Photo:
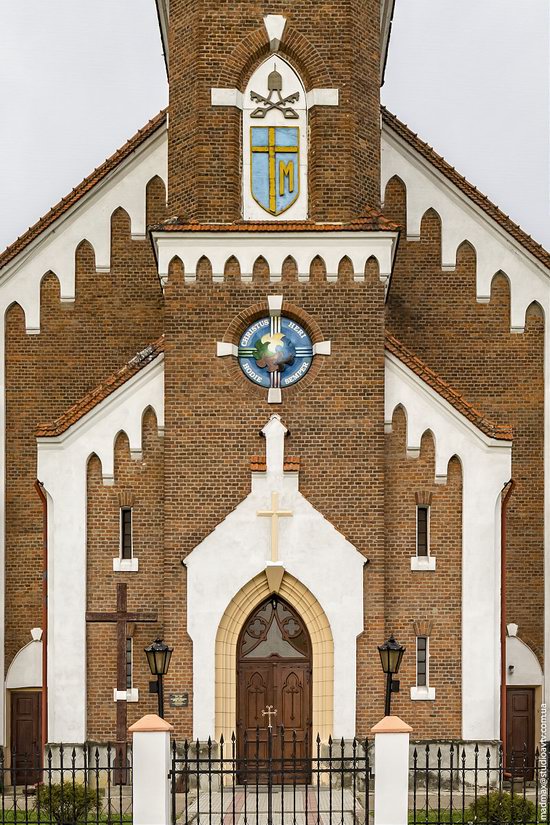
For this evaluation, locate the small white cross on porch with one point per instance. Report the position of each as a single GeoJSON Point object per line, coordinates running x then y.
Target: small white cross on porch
{"type": "Point", "coordinates": [275, 514]}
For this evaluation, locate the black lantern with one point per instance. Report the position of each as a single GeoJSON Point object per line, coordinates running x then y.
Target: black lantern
{"type": "Point", "coordinates": [158, 658]}
{"type": "Point", "coordinates": [391, 653]}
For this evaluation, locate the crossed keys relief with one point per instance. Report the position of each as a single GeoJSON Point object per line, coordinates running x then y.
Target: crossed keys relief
{"type": "Point", "coordinates": [275, 99]}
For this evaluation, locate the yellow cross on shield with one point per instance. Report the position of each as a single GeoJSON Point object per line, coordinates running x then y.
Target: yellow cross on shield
{"type": "Point", "coordinates": [275, 169]}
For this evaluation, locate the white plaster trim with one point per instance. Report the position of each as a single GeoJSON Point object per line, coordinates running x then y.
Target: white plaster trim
{"type": "Point", "coordinates": [239, 548]}
{"type": "Point", "coordinates": [496, 250]}
{"type": "Point", "coordinates": [226, 97]}
{"type": "Point", "coordinates": [323, 97]}
{"type": "Point", "coordinates": [512, 629]}
{"type": "Point", "coordinates": [423, 563]}
{"type": "Point", "coordinates": [131, 695]}
{"type": "Point", "coordinates": [422, 694]}
{"type": "Point", "coordinates": [275, 247]}
{"type": "Point", "coordinates": [527, 671]}
{"type": "Point", "coordinates": [275, 305]}
{"type": "Point", "coordinates": [224, 348]}
{"type": "Point", "coordinates": [274, 395]}
{"type": "Point", "coordinates": [62, 466]}
{"type": "Point", "coordinates": [125, 565]}
{"type": "Point", "coordinates": [25, 670]}
{"type": "Point", "coordinates": [322, 348]}
{"type": "Point", "coordinates": [486, 467]}
{"type": "Point", "coordinates": [275, 27]}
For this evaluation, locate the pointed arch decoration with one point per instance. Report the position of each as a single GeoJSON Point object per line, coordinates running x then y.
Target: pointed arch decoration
{"type": "Point", "coordinates": [237, 612]}
{"type": "Point", "coordinates": [275, 143]}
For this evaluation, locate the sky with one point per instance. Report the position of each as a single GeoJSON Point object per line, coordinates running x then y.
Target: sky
{"type": "Point", "coordinates": [78, 78]}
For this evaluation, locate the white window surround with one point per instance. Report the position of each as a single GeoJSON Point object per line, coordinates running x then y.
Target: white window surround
{"type": "Point", "coordinates": [126, 565]}
{"type": "Point", "coordinates": [126, 695]}
{"type": "Point", "coordinates": [121, 565]}
{"type": "Point", "coordinates": [424, 693]}
{"type": "Point", "coordinates": [423, 563]}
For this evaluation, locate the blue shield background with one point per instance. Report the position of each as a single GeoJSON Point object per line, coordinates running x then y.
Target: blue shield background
{"type": "Point", "coordinates": [266, 190]}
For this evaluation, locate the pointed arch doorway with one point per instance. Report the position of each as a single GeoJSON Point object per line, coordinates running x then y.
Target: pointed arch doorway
{"type": "Point", "coordinates": [274, 687]}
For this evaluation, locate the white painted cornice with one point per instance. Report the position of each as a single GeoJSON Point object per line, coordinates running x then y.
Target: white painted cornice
{"type": "Point", "coordinates": [275, 247]}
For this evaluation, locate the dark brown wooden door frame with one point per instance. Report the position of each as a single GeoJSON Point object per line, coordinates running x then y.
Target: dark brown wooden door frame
{"type": "Point", "coordinates": [25, 731]}
{"type": "Point", "coordinates": [520, 733]}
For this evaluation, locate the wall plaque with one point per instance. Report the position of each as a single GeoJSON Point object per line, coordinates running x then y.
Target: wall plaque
{"type": "Point", "coordinates": [179, 700]}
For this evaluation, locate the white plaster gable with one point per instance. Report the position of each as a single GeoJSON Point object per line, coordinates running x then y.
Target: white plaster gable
{"type": "Point", "coordinates": [462, 220]}
{"type": "Point", "coordinates": [25, 670]}
{"type": "Point", "coordinates": [486, 468]}
{"type": "Point", "coordinates": [54, 250]}
{"type": "Point", "coordinates": [526, 667]}
{"type": "Point", "coordinates": [310, 549]}
{"type": "Point", "coordinates": [62, 468]}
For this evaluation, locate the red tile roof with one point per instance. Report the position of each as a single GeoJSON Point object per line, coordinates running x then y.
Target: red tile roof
{"type": "Point", "coordinates": [100, 393]}
{"type": "Point", "coordinates": [88, 183]}
{"type": "Point", "coordinates": [502, 432]}
{"type": "Point", "coordinates": [372, 220]}
{"type": "Point", "coordinates": [466, 187]}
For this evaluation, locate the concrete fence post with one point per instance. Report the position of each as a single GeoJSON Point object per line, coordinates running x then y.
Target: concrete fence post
{"type": "Point", "coordinates": [391, 765]}
{"type": "Point", "coordinates": [150, 769]}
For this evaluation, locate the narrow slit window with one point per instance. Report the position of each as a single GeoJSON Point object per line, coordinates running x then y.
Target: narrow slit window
{"type": "Point", "coordinates": [128, 664]}
{"type": "Point", "coordinates": [422, 530]}
{"type": "Point", "coordinates": [126, 533]}
{"type": "Point", "coordinates": [422, 661]}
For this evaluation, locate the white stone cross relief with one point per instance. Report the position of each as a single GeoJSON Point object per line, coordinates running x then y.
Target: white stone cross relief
{"type": "Point", "coordinates": [275, 514]}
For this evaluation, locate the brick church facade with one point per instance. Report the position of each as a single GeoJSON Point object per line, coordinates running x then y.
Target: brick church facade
{"type": "Point", "coordinates": [280, 370]}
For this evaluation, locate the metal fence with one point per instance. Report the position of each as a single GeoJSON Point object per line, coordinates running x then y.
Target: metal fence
{"type": "Point", "coordinates": [81, 785]}
{"type": "Point", "coordinates": [471, 784]}
{"type": "Point", "coordinates": [272, 778]}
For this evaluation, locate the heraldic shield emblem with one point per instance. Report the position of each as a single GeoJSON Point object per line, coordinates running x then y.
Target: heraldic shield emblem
{"type": "Point", "coordinates": [275, 167]}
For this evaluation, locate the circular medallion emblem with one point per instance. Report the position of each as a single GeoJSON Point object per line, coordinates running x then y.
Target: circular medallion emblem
{"type": "Point", "coordinates": [275, 352]}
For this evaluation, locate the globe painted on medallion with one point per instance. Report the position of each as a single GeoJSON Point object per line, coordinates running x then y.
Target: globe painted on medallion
{"type": "Point", "coordinates": [275, 352]}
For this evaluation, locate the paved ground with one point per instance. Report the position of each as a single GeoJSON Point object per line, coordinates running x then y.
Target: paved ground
{"type": "Point", "coordinates": [290, 806]}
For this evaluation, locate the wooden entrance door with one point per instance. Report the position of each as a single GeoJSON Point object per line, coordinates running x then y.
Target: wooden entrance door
{"type": "Point", "coordinates": [274, 687]}
{"type": "Point", "coordinates": [520, 735]}
{"type": "Point", "coordinates": [25, 737]}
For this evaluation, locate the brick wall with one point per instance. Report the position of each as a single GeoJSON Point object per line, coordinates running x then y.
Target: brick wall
{"type": "Point", "coordinates": [143, 482]}
{"type": "Point", "coordinates": [114, 316]}
{"type": "Point", "coordinates": [334, 45]}
{"type": "Point", "coordinates": [435, 313]}
{"type": "Point", "coordinates": [425, 597]}
{"type": "Point", "coordinates": [213, 420]}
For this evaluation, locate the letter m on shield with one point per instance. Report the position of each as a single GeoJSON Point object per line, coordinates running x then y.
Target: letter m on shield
{"type": "Point", "coordinates": [275, 167]}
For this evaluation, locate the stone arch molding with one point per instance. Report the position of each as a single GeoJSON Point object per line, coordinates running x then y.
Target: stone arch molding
{"type": "Point", "coordinates": [486, 467]}
{"type": "Point", "coordinates": [62, 466]}
{"type": "Point", "coordinates": [317, 570]}
{"type": "Point", "coordinates": [463, 221]}
{"type": "Point", "coordinates": [316, 621]}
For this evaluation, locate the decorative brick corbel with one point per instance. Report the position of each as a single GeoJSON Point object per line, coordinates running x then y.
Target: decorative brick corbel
{"type": "Point", "coordinates": [126, 498]}
{"type": "Point", "coordinates": [423, 627]}
{"type": "Point", "coordinates": [424, 497]}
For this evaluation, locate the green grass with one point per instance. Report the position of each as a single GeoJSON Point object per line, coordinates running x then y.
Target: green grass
{"type": "Point", "coordinates": [32, 819]}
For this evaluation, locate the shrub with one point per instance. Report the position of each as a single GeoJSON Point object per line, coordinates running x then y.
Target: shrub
{"type": "Point", "coordinates": [66, 804]}
{"type": "Point", "coordinates": [500, 808]}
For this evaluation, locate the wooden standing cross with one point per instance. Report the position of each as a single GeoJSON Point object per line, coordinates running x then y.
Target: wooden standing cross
{"type": "Point", "coordinates": [122, 619]}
